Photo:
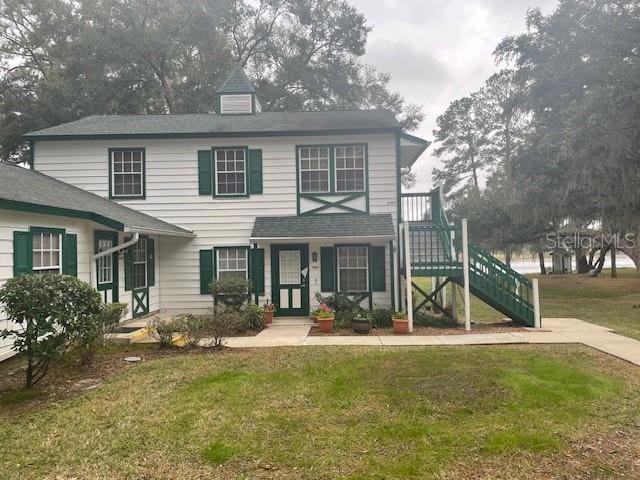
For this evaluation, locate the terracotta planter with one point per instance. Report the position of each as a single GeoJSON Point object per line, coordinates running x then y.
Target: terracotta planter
{"type": "Point", "coordinates": [400, 325]}
{"type": "Point", "coordinates": [268, 316]}
{"type": "Point", "coordinates": [326, 324]}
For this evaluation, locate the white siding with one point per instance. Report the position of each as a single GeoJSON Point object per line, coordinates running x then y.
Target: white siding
{"type": "Point", "coordinates": [235, 104]}
{"type": "Point", "coordinates": [172, 195]}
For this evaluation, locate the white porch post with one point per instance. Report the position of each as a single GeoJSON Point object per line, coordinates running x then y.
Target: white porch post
{"type": "Point", "coordinates": [537, 321]}
{"type": "Point", "coordinates": [407, 267]}
{"type": "Point", "coordinates": [465, 268]}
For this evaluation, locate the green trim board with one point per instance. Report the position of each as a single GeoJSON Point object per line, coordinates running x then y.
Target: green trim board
{"type": "Point", "coordinates": [215, 172]}
{"type": "Point", "coordinates": [144, 173]}
{"type": "Point", "coordinates": [318, 196]}
{"type": "Point", "coordinates": [60, 212]}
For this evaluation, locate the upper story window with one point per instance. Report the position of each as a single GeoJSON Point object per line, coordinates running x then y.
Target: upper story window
{"type": "Point", "coordinates": [230, 171]}
{"type": "Point", "coordinates": [314, 169]}
{"type": "Point", "coordinates": [349, 168]}
{"type": "Point", "coordinates": [47, 252]}
{"type": "Point", "coordinates": [127, 173]}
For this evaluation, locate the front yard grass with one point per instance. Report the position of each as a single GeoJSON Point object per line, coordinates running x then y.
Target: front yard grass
{"type": "Point", "coordinates": [354, 413]}
{"type": "Point", "coordinates": [611, 302]}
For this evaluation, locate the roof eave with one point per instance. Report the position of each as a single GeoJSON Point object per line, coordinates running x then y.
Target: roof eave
{"type": "Point", "coordinates": [33, 136]}
{"type": "Point", "coordinates": [316, 237]}
{"type": "Point", "coordinates": [159, 232]}
{"type": "Point", "coordinates": [421, 142]}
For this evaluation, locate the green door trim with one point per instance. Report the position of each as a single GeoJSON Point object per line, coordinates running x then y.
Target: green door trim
{"type": "Point", "coordinates": [304, 285]}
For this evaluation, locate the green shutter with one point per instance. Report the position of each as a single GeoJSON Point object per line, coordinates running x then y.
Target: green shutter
{"type": "Point", "coordinates": [22, 253]}
{"type": "Point", "coordinates": [70, 254]}
{"type": "Point", "coordinates": [327, 269]}
{"type": "Point", "coordinates": [206, 271]}
{"type": "Point", "coordinates": [151, 262]}
{"type": "Point", "coordinates": [205, 175]}
{"type": "Point", "coordinates": [257, 270]}
{"type": "Point", "coordinates": [128, 269]}
{"type": "Point", "coordinates": [378, 269]}
{"type": "Point", "coordinates": [255, 171]}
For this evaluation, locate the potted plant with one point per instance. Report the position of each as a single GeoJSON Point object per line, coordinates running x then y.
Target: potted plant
{"type": "Point", "coordinates": [361, 324]}
{"type": "Point", "coordinates": [268, 310]}
{"type": "Point", "coordinates": [400, 322]}
{"type": "Point", "coordinates": [325, 317]}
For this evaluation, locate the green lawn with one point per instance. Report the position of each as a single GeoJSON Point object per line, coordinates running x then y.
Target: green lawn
{"type": "Point", "coordinates": [352, 413]}
{"type": "Point", "coordinates": [612, 302]}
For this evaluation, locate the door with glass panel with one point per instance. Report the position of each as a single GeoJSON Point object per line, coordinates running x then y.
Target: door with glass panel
{"type": "Point", "coordinates": [140, 269]}
{"type": "Point", "coordinates": [290, 279]}
{"type": "Point", "coordinates": [107, 266]}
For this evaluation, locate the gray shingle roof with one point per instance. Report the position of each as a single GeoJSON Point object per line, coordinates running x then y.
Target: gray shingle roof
{"type": "Point", "coordinates": [237, 82]}
{"type": "Point", "coordinates": [209, 125]}
{"type": "Point", "coordinates": [337, 225]}
{"type": "Point", "coordinates": [22, 189]}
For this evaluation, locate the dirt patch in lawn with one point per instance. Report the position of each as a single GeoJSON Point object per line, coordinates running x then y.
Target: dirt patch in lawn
{"type": "Point", "coordinates": [68, 378]}
{"type": "Point", "coordinates": [498, 327]}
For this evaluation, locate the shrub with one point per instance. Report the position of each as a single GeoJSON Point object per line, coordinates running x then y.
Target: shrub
{"type": "Point", "coordinates": [345, 308]}
{"type": "Point", "coordinates": [193, 328]}
{"type": "Point", "coordinates": [90, 334]}
{"type": "Point", "coordinates": [47, 312]}
{"type": "Point", "coordinates": [252, 317]}
{"type": "Point", "coordinates": [425, 320]}
{"type": "Point", "coordinates": [380, 318]}
{"type": "Point", "coordinates": [232, 292]}
{"type": "Point", "coordinates": [162, 329]}
{"type": "Point", "coordinates": [223, 322]}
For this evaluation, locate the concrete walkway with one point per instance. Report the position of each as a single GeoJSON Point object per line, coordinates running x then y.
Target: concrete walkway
{"type": "Point", "coordinates": [295, 332]}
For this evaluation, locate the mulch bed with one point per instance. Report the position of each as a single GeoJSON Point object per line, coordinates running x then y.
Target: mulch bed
{"type": "Point", "coordinates": [498, 327]}
{"type": "Point", "coordinates": [68, 378]}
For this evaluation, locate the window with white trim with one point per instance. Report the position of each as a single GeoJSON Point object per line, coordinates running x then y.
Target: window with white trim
{"type": "Point", "coordinates": [105, 264]}
{"type": "Point", "coordinates": [231, 168]}
{"type": "Point", "coordinates": [140, 264]}
{"type": "Point", "coordinates": [47, 252]}
{"type": "Point", "coordinates": [314, 169]}
{"type": "Point", "coordinates": [349, 168]}
{"type": "Point", "coordinates": [127, 173]}
{"type": "Point", "coordinates": [353, 269]}
{"type": "Point", "coordinates": [232, 263]}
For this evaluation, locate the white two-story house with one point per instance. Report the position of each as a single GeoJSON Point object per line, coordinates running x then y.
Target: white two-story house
{"type": "Point", "coordinates": [296, 202]}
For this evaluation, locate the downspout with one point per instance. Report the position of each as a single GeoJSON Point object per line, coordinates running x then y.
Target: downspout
{"type": "Point", "coordinates": [111, 251]}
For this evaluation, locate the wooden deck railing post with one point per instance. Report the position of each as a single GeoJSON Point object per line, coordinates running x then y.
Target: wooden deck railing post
{"type": "Point", "coordinates": [407, 274]}
{"type": "Point", "coordinates": [537, 323]}
{"type": "Point", "coordinates": [465, 269]}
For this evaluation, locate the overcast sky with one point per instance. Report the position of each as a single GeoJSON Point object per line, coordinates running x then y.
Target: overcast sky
{"type": "Point", "coordinates": [439, 50]}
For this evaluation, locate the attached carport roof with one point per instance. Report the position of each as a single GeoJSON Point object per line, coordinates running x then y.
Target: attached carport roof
{"type": "Point", "coordinates": [327, 226]}
{"type": "Point", "coordinates": [26, 190]}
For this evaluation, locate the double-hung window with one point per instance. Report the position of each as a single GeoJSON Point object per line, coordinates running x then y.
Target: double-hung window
{"type": "Point", "coordinates": [314, 169]}
{"type": "Point", "coordinates": [349, 168]}
{"type": "Point", "coordinates": [231, 171]}
{"type": "Point", "coordinates": [353, 269]}
{"type": "Point", "coordinates": [140, 264]}
{"type": "Point", "coordinates": [105, 264]}
{"type": "Point", "coordinates": [47, 252]}
{"type": "Point", "coordinates": [232, 262]}
{"type": "Point", "coordinates": [127, 173]}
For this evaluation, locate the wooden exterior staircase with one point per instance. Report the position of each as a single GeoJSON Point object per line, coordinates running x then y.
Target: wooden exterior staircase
{"type": "Point", "coordinates": [435, 250]}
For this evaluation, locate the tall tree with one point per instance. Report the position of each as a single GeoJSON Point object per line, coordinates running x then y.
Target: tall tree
{"type": "Point", "coordinates": [462, 135]}
{"type": "Point", "coordinates": [62, 60]}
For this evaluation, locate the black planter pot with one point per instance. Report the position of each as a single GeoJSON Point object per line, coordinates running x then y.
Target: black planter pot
{"type": "Point", "coordinates": [361, 326]}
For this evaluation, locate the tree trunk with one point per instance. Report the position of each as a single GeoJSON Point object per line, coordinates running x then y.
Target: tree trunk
{"type": "Point", "coordinates": [614, 268]}
{"type": "Point", "coordinates": [543, 268]}
{"type": "Point", "coordinates": [603, 255]}
{"type": "Point", "coordinates": [582, 266]}
{"type": "Point", "coordinates": [634, 254]}
{"type": "Point", "coordinates": [507, 257]}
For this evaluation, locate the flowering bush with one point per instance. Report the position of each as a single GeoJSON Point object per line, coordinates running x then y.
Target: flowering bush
{"type": "Point", "coordinates": [323, 311]}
